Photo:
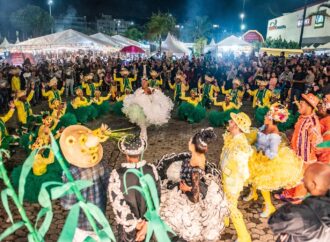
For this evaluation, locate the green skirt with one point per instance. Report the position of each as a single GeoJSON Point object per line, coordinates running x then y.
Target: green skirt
{"type": "Point", "coordinates": [260, 114]}
{"type": "Point", "coordinates": [66, 120]}
{"type": "Point", "coordinates": [26, 140]}
{"type": "Point", "coordinates": [8, 140]}
{"type": "Point", "coordinates": [217, 119]}
{"type": "Point", "coordinates": [83, 114]}
{"type": "Point", "coordinates": [102, 109]}
{"type": "Point", "coordinates": [116, 108]}
{"type": "Point", "coordinates": [189, 112]}
{"type": "Point", "coordinates": [33, 183]}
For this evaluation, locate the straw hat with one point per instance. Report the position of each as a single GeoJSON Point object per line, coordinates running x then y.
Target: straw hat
{"type": "Point", "coordinates": [21, 94]}
{"type": "Point", "coordinates": [242, 121]}
{"type": "Point", "coordinates": [311, 100]}
{"type": "Point", "coordinates": [124, 71]}
{"type": "Point", "coordinates": [262, 83]}
{"type": "Point", "coordinates": [53, 82]}
{"type": "Point", "coordinates": [27, 75]}
{"type": "Point", "coordinates": [153, 73]}
{"type": "Point", "coordinates": [88, 77]}
{"type": "Point", "coordinates": [132, 145]}
{"type": "Point", "coordinates": [194, 90]}
{"type": "Point", "coordinates": [78, 90]}
{"type": "Point", "coordinates": [237, 82]}
{"type": "Point", "coordinates": [208, 78]}
{"type": "Point", "coordinates": [80, 146]}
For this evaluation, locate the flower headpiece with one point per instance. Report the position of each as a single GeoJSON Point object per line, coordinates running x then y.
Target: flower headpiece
{"type": "Point", "coordinates": [278, 113]}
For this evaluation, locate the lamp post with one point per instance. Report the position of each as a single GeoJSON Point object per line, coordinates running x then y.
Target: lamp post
{"type": "Point", "coordinates": [303, 25]}
{"type": "Point", "coordinates": [242, 16]}
{"type": "Point", "coordinates": [50, 3]}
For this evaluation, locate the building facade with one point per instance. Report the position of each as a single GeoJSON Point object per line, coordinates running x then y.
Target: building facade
{"type": "Point", "coordinates": [109, 25]}
{"type": "Point", "coordinates": [71, 22]}
{"type": "Point", "coordinates": [288, 26]}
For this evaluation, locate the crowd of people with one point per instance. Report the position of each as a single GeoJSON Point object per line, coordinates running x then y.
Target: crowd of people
{"type": "Point", "coordinates": [285, 93]}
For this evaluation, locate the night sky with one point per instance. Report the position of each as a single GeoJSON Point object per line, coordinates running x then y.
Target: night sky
{"type": "Point", "coordinates": [225, 13]}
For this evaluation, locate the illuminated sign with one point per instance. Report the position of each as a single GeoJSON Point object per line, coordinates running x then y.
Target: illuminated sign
{"type": "Point", "coordinates": [319, 21]}
{"type": "Point", "coordinates": [273, 25]}
{"type": "Point", "coordinates": [308, 22]}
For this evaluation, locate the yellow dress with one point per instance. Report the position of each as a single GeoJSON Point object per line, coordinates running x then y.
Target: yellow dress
{"type": "Point", "coordinates": [273, 164]}
{"type": "Point", "coordinates": [21, 107]}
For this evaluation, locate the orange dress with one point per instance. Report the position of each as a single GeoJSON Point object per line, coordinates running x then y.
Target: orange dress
{"type": "Point", "coordinates": [323, 155]}
{"type": "Point", "coordinates": [306, 136]}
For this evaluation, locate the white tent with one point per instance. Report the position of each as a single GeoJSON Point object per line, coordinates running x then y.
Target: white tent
{"type": "Point", "coordinates": [212, 43]}
{"type": "Point", "coordinates": [5, 44]}
{"type": "Point", "coordinates": [324, 47]}
{"type": "Point", "coordinates": [126, 41]}
{"type": "Point", "coordinates": [67, 39]}
{"type": "Point", "coordinates": [234, 44]}
{"type": "Point", "coordinates": [108, 39]}
{"type": "Point", "coordinates": [173, 46]}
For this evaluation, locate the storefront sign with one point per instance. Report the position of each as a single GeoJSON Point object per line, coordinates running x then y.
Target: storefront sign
{"type": "Point", "coordinates": [253, 36]}
{"type": "Point", "coordinates": [273, 25]}
{"type": "Point", "coordinates": [308, 22]}
{"type": "Point", "coordinates": [319, 21]}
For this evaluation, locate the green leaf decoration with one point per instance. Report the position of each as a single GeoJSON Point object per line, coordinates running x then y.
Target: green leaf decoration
{"type": "Point", "coordinates": [11, 230]}
{"type": "Point", "coordinates": [4, 199]}
{"type": "Point", "coordinates": [70, 225]}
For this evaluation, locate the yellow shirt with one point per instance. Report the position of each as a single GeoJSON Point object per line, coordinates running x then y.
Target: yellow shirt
{"type": "Point", "coordinates": [101, 99]}
{"type": "Point", "coordinates": [5, 118]}
{"type": "Point", "coordinates": [122, 83]}
{"type": "Point", "coordinates": [184, 88]}
{"type": "Point", "coordinates": [194, 101]}
{"type": "Point", "coordinates": [265, 100]}
{"type": "Point", "coordinates": [15, 83]}
{"type": "Point", "coordinates": [240, 93]}
{"type": "Point", "coordinates": [51, 96]}
{"type": "Point", "coordinates": [225, 107]}
{"type": "Point", "coordinates": [213, 89]}
{"type": "Point", "coordinates": [88, 88]}
{"type": "Point", "coordinates": [77, 102]}
{"type": "Point", "coordinates": [121, 98]}
{"type": "Point", "coordinates": [155, 82]}
{"type": "Point", "coordinates": [21, 113]}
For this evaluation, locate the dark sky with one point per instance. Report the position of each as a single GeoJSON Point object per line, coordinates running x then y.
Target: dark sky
{"type": "Point", "coordinates": [225, 13]}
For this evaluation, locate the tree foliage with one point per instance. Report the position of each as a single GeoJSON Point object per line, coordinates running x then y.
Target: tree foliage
{"type": "Point", "coordinates": [280, 43]}
{"type": "Point", "coordinates": [32, 20]}
{"type": "Point", "coordinates": [199, 27]}
{"type": "Point", "coordinates": [199, 46]}
{"type": "Point", "coordinates": [134, 33]}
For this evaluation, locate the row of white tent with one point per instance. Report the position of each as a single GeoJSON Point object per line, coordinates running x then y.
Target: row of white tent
{"type": "Point", "coordinates": [71, 39]}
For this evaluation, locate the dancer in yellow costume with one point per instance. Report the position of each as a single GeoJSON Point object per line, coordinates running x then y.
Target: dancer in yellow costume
{"type": "Point", "coordinates": [90, 86]}
{"type": "Point", "coordinates": [54, 93]}
{"type": "Point", "coordinates": [273, 164]}
{"type": "Point", "coordinates": [124, 81]}
{"type": "Point", "coordinates": [235, 94]}
{"type": "Point", "coordinates": [101, 104]}
{"type": "Point", "coordinates": [234, 159]}
{"type": "Point", "coordinates": [153, 81]}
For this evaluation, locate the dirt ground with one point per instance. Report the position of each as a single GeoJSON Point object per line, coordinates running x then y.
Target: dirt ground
{"type": "Point", "coordinates": [169, 138]}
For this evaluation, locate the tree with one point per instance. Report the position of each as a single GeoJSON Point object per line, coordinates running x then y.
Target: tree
{"type": "Point", "coordinates": [159, 26]}
{"type": "Point", "coordinates": [199, 27]}
{"type": "Point", "coordinates": [200, 45]}
{"type": "Point", "coordinates": [280, 43]}
{"type": "Point", "coordinates": [134, 33]}
{"type": "Point", "coordinates": [32, 20]}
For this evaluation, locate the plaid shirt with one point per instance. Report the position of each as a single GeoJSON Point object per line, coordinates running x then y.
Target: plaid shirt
{"type": "Point", "coordinates": [96, 194]}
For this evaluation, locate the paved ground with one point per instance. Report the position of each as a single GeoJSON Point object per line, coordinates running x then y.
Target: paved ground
{"type": "Point", "coordinates": [167, 139]}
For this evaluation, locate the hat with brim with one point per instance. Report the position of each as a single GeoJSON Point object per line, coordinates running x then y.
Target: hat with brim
{"type": "Point", "coordinates": [27, 75]}
{"type": "Point", "coordinates": [153, 73]}
{"type": "Point", "coordinates": [242, 120]}
{"type": "Point", "coordinates": [208, 79]}
{"type": "Point", "coordinates": [132, 145]}
{"type": "Point", "coordinates": [311, 100]}
{"type": "Point", "coordinates": [124, 71]}
{"type": "Point", "coordinates": [88, 77]}
{"type": "Point", "coordinates": [262, 83]}
{"type": "Point", "coordinates": [80, 146]}
{"type": "Point", "coordinates": [53, 82]}
{"type": "Point", "coordinates": [194, 90]}
{"type": "Point", "coordinates": [236, 82]}
{"type": "Point", "coordinates": [21, 94]}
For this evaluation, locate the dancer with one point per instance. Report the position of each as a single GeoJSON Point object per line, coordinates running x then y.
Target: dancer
{"type": "Point", "coordinates": [235, 94]}
{"type": "Point", "coordinates": [190, 110]}
{"type": "Point", "coordinates": [118, 105]}
{"type": "Point", "coordinates": [192, 201]}
{"type": "Point", "coordinates": [261, 100]}
{"type": "Point", "coordinates": [101, 104]}
{"type": "Point", "coordinates": [217, 118]}
{"type": "Point", "coordinates": [5, 139]}
{"type": "Point", "coordinates": [210, 88]}
{"type": "Point", "coordinates": [234, 159]}
{"type": "Point", "coordinates": [180, 87]}
{"type": "Point", "coordinates": [323, 155]}
{"type": "Point", "coordinates": [59, 112]}
{"type": "Point", "coordinates": [306, 136]}
{"type": "Point", "coordinates": [124, 81]}
{"type": "Point", "coordinates": [90, 86]}
{"type": "Point", "coordinates": [154, 82]}
{"type": "Point", "coordinates": [273, 165]}
{"type": "Point", "coordinates": [147, 106]}
{"type": "Point", "coordinates": [54, 93]}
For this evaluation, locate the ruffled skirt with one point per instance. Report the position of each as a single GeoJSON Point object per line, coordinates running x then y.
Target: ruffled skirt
{"type": "Point", "coordinates": [155, 108]}
{"type": "Point", "coordinates": [117, 108]}
{"type": "Point", "coordinates": [102, 109]}
{"type": "Point", "coordinates": [217, 119]}
{"type": "Point", "coordinates": [83, 114]}
{"type": "Point", "coordinates": [191, 113]}
{"type": "Point", "coordinates": [284, 171]}
{"type": "Point", "coordinates": [202, 221]}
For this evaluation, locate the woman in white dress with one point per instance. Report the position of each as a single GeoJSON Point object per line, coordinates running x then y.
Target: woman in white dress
{"type": "Point", "coordinates": [147, 106]}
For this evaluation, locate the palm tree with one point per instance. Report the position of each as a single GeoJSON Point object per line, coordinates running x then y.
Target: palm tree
{"type": "Point", "coordinates": [200, 27]}
{"type": "Point", "coordinates": [159, 26]}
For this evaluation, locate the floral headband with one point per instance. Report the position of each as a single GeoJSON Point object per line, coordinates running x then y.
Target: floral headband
{"type": "Point", "coordinates": [278, 113]}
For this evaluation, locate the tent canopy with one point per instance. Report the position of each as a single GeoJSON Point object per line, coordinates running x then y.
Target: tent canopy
{"type": "Point", "coordinates": [125, 41]}
{"type": "Point", "coordinates": [175, 46]}
{"type": "Point", "coordinates": [66, 38]}
{"type": "Point", "coordinates": [233, 41]}
{"type": "Point", "coordinates": [325, 46]}
{"type": "Point", "coordinates": [5, 44]}
{"type": "Point", "coordinates": [132, 49]}
{"type": "Point", "coordinates": [108, 39]}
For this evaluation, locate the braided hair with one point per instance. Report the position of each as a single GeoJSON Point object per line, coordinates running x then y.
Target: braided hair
{"type": "Point", "coordinates": [202, 138]}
